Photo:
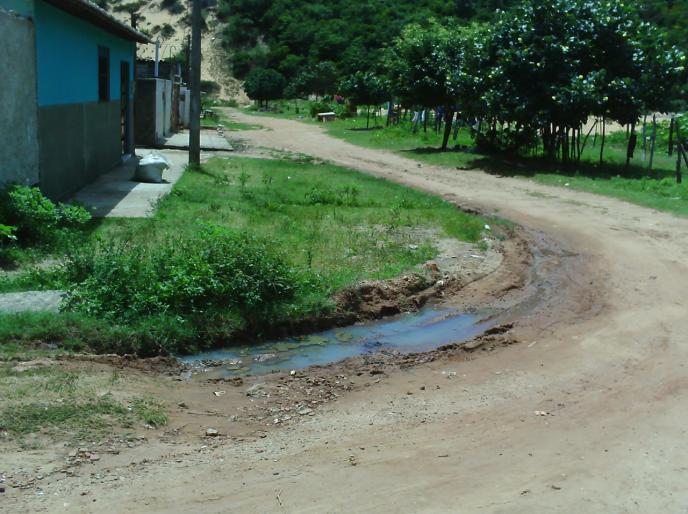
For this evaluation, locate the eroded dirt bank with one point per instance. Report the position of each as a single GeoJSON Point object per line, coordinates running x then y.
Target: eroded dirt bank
{"type": "Point", "coordinates": [587, 411]}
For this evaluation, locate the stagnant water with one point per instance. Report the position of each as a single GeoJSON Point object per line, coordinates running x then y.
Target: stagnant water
{"type": "Point", "coordinates": [413, 332]}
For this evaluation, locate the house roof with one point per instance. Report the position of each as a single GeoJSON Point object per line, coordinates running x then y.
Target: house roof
{"type": "Point", "coordinates": [90, 12]}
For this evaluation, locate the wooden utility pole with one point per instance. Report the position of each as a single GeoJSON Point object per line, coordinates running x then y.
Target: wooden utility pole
{"type": "Point", "coordinates": [195, 82]}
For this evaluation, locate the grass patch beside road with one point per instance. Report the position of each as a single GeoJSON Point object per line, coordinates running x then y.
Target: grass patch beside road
{"type": "Point", "coordinates": [40, 403]}
{"type": "Point", "coordinates": [655, 188]}
{"type": "Point", "coordinates": [228, 124]}
{"type": "Point", "coordinates": [157, 286]}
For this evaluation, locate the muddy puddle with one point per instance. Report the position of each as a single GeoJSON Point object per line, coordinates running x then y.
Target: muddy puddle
{"type": "Point", "coordinates": [413, 332]}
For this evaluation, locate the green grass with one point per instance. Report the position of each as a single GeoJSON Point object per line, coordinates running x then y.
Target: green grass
{"type": "Point", "coordinates": [287, 109]}
{"type": "Point", "coordinates": [150, 411]}
{"type": "Point", "coordinates": [47, 403]}
{"type": "Point", "coordinates": [654, 188]}
{"type": "Point", "coordinates": [334, 226]}
{"type": "Point", "coordinates": [296, 204]}
{"type": "Point", "coordinates": [29, 335]}
{"type": "Point", "coordinates": [228, 124]}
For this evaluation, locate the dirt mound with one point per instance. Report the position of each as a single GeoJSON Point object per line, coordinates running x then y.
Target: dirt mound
{"type": "Point", "coordinates": [377, 299]}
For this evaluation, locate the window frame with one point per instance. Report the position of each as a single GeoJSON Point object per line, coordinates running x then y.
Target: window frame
{"type": "Point", "coordinates": [103, 74]}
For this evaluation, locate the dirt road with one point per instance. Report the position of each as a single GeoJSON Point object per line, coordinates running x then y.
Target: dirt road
{"type": "Point", "coordinates": [587, 413]}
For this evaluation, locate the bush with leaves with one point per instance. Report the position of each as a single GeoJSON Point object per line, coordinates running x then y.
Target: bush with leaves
{"type": "Point", "coordinates": [7, 239]}
{"type": "Point", "coordinates": [37, 219]}
{"type": "Point", "coordinates": [217, 272]}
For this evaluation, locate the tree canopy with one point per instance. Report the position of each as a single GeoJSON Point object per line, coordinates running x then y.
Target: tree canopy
{"type": "Point", "coordinates": [264, 85]}
{"type": "Point", "coordinates": [293, 35]}
{"type": "Point", "coordinates": [365, 88]}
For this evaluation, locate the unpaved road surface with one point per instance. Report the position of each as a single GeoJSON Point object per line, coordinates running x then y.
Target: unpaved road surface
{"type": "Point", "coordinates": [588, 413]}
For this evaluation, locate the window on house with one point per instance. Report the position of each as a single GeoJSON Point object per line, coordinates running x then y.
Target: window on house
{"type": "Point", "coordinates": [103, 74]}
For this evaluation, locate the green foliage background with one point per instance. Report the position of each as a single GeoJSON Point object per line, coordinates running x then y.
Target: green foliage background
{"type": "Point", "coordinates": [292, 35]}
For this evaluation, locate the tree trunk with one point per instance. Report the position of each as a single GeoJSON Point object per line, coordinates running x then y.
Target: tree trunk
{"type": "Point", "coordinates": [681, 152]}
{"type": "Point", "coordinates": [653, 137]}
{"type": "Point", "coordinates": [547, 141]}
{"type": "Point", "coordinates": [448, 117]}
{"type": "Point", "coordinates": [632, 142]}
{"type": "Point", "coordinates": [671, 136]}
{"type": "Point", "coordinates": [604, 133]}
{"type": "Point", "coordinates": [367, 117]}
{"type": "Point", "coordinates": [644, 137]}
{"type": "Point", "coordinates": [679, 177]}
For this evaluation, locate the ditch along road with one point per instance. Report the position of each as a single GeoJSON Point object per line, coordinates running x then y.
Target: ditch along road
{"type": "Point", "coordinates": [589, 410]}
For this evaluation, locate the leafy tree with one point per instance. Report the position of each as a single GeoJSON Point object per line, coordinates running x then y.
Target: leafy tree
{"type": "Point", "coordinates": [365, 88]}
{"type": "Point", "coordinates": [353, 34]}
{"type": "Point", "coordinates": [320, 79]}
{"type": "Point", "coordinates": [264, 85]}
{"type": "Point", "coordinates": [131, 8]}
{"type": "Point", "coordinates": [420, 64]}
{"type": "Point", "coordinates": [553, 64]}
{"type": "Point", "coordinates": [167, 31]}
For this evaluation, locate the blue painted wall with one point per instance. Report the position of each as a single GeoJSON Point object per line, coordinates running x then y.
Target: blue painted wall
{"type": "Point", "coordinates": [23, 7]}
{"type": "Point", "coordinates": [67, 57]}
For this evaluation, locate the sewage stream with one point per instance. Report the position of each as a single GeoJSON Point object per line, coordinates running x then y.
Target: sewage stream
{"type": "Point", "coordinates": [421, 331]}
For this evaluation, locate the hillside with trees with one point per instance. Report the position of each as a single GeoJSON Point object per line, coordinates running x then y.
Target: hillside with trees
{"type": "Point", "coordinates": [292, 36]}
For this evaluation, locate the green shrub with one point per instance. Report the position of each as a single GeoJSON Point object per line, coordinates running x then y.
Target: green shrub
{"type": "Point", "coordinates": [7, 234]}
{"type": "Point", "coordinates": [216, 273]}
{"type": "Point", "coordinates": [321, 106]}
{"type": "Point", "coordinates": [37, 219]}
{"type": "Point", "coordinates": [342, 196]}
{"type": "Point", "coordinates": [7, 239]}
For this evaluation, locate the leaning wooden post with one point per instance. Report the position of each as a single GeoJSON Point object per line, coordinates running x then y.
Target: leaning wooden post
{"type": "Point", "coordinates": [585, 141]}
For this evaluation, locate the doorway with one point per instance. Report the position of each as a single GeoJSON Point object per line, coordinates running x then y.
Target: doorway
{"type": "Point", "coordinates": [124, 111]}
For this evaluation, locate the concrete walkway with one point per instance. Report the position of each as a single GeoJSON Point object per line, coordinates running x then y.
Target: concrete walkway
{"type": "Point", "coordinates": [116, 195]}
{"type": "Point", "coordinates": [31, 301]}
{"type": "Point", "coordinates": [210, 140]}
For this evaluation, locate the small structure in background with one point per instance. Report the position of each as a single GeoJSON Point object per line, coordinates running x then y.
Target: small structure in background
{"type": "Point", "coordinates": [159, 94]}
{"type": "Point", "coordinates": [326, 116]}
{"type": "Point", "coordinates": [67, 110]}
